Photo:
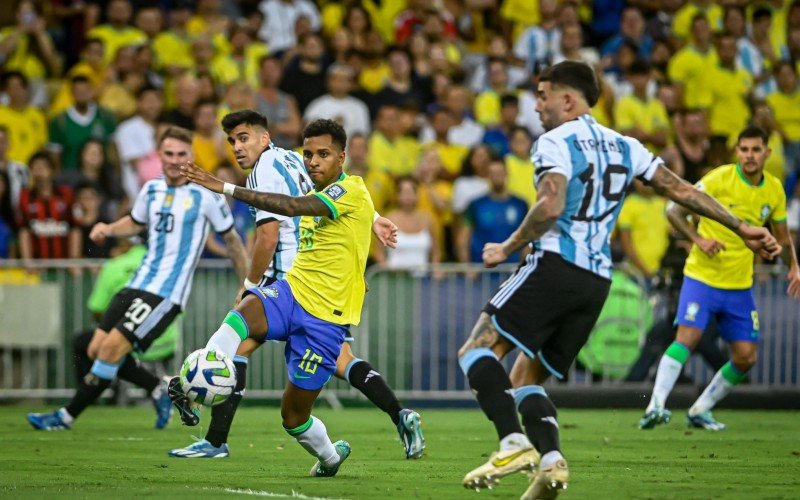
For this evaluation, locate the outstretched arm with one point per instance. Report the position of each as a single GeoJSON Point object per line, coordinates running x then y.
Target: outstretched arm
{"type": "Point", "coordinates": [270, 202]}
{"type": "Point", "coordinates": [757, 239]}
{"type": "Point", "coordinates": [125, 226]}
{"type": "Point", "coordinates": [550, 202]}
{"type": "Point", "coordinates": [678, 216]}
{"type": "Point", "coordinates": [789, 256]}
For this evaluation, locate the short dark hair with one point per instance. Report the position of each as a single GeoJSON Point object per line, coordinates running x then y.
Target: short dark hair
{"type": "Point", "coordinates": [761, 13]}
{"type": "Point", "coordinates": [507, 99]}
{"type": "Point", "coordinates": [145, 89]}
{"type": "Point", "coordinates": [178, 133]}
{"type": "Point", "coordinates": [42, 155]}
{"type": "Point", "coordinates": [325, 126]}
{"type": "Point", "coordinates": [700, 16]}
{"type": "Point", "coordinates": [245, 116]}
{"type": "Point", "coordinates": [80, 79]}
{"type": "Point", "coordinates": [8, 75]}
{"type": "Point", "coordinates": [753, 132]}
{"type": "Point", "coordinates": [520, 128]}
{"type": "Point", "coordinates": [575, 75]}
{"type": "Point", "coordinates": [638, 67]}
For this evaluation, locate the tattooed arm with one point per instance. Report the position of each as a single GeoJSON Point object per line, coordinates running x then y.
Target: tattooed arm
{"type": "Point", "coordinates": [681, 192]}
{"type": "Point", "coordinates": [551, 198]}
{"type": "Point", "coordinates": [678, 216]}
{"type": "Point", "coordinates": [276, 203]}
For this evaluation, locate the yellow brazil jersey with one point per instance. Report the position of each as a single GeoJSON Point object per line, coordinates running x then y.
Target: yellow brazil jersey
{"type": "Point", "coordinates": [687, 67]}
{"type": "Point", "coordinates": [682, 22]}
{"type": "Point", "coordinates": [732, 269]}
{"type": "Point", "coordinates": [27, 132]}
{"type": "Point", "coordinates": [173, 50]}
{"type": "Point", "coordinates": [451, 155]}
{"type": "Point", "coordinates": [786, 108]}
{"type": "Point", "coordinates": [373, 78]}
{"type": "Point", "coordinates": [522, 13]}
{"type": "Point", "coordinates": [487, 108]}
{"type": "Point", "coordinates": [520, 178]}
{"type": "Point", "coordinates": [776, 161]}
{"type": "Point", "coordinates": [724, 93]}
{"type": "Point", "coordinates": [327, 277]}
{"type": "Point", "coordinates": [630, 112]}
{"type": "Point", "coordinates": [398, 157]}
{"type": "Point", "coordinates": [645, 218]}
{"type": "Point", "coordinates": [114, 39]}
{"type": "Point", "coordinates": [24, 57]}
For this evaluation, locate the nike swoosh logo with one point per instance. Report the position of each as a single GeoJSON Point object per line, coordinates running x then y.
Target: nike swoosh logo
{"type": "Point", "coordinates": [297, 375]}
{"type": "Point", "coordinates": [502, 462]}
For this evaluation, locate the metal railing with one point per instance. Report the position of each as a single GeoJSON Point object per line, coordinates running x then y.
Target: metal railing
{"type": "Point", "coordinates": [413, 323]}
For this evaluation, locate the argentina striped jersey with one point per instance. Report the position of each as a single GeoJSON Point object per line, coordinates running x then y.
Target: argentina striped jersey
{"type": "Point", "coordinates": [177, 220]}
{"type": "Point", "coordinates": [599, 165]}
{"type": "Point", "coordinates": [280, 171]}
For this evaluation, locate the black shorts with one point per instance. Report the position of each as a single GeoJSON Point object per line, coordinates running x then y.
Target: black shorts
{"type": "Point", "coordinates": [141, 316]}
{"type": "Point", "coordinates": [547, 308]}
{"type": "Point", "coordinates": [267, 281]}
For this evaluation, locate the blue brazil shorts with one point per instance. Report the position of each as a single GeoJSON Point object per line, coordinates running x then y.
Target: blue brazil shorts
{"type": "Point", "coordinates": [312, 344]}
{"type": "Point", "coordinates": [734, 310]}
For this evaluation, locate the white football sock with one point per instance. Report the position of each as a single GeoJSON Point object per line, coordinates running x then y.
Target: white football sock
{"type": "Point", "coordinates": [65, 416]}
{"type": "Point", "coordinates": [550, 458]}
{"type": "Point", "coordinates": [515, 441]}
{"type": "Point", "coordinates": [225, 340]}
{"type": "Point", "coordinates": [714, 393]}
{"type": "Point", "coordinates": [669, 369]}
{"type": "Point", "coordinates": [316, 441]}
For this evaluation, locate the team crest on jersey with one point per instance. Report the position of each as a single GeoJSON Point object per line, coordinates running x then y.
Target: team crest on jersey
{"type": "Point", "coordinates": [691, 311]}
{"type": "Point", "coordinates": [765, 210]}
{"type": "Point", "coordinates": [269, 293]}
{"type": "Point", "coordinates": [335, 191]}
{"type": "Point", "coordinates": [187, 203]}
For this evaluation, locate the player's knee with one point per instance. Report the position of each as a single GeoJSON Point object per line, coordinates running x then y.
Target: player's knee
{"type": "Point", "coordinates": [743, 361]}
{"type": "Point", "coordinates": [113, 349]}
{"type": "Point", "coordinates": [689, 337]}
{"type": "Point", "coordinates": [253, 314]}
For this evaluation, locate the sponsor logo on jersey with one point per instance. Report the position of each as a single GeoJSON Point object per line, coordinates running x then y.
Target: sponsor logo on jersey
{"type": "Point", "coordinates": [335, 191]}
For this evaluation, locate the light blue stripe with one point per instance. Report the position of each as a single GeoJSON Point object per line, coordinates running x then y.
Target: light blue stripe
{"type": "Point", "coordinates": [294, 190]}
{"type": "Point", "coordinates": [106, 371]}
{"type": "Point", "coordinates": [241, 359]}
{"type": "Point", "coordinates": [349, 366]}
{"type": "Point", "coordinates": [161, 242]}
{"type": "Point", "coordinates": [152, 320]}
{"type": "Point", "coordinates": [523, 392]}
{"type": "Point", "coordinates": [135, 282]}
{"type": "Point", "coordinates": [575, 190]}
{"type": "Point", "coordinates": [597, 195]}
{"type": "Point", "coordinates": [185, 246]}
{"type": "Point", "coordinates": [512, 339]}
{"type": "Point", "coordinates": [552, 370]}
{"type": "Point", "coordinates": [470, 357]}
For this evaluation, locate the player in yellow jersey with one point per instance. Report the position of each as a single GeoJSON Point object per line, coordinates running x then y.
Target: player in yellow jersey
{"type": "Point", "coordinates": [323, 293]}
{"type": "Point", "coordinates": [719, 278]}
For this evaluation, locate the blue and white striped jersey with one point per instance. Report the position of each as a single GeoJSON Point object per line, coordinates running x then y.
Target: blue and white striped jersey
{"type": "Point", "coordinates": [177, 220]}
{"type": "Point", "coordinates": [599, 165]}
{"type": "Point", "coordinates": [280, 171]}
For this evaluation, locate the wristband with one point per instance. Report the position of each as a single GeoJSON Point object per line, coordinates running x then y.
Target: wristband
{"type": "Point", "coordinates": [249, 284]}
{"type": "Point", "coordinates": [228, 188]}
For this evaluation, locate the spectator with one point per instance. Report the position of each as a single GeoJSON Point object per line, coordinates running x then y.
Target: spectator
{"type": "Point", "coordinates": [119, 97]}
{"type": "Point", "coordinates": [477, 75]}
{"type": "Point", "coordinates": [27, 47]}
{"type": "Point", "coordinates": [490, 218]}
{"type": "Point", "coordinates": [724, 91]}
{"type": "Point", "coordinates": [7, 219]}
{"type": "Point", "coordinates": [279, 107]}
{"type": "Point", "coordinates": [540, 45]}
{"type": "Point", "coordinates": [380, 185]}
{"type": "Point", "coordinates": [644, 229]}
{"type": "Point", "coordinates": [785, 103]}
{"type": "Point", "coordinates": [415, 16]}
{"type": "Point", "coordinates": [149, 20]}
{"type": "Point", "coordinates": [92, 65]}
{"type": "Point", "coordinates": [683, 23]}
{"type": "Point", "coordinates": [389, 150]}
{"type": "Point", "coordinates": [659, 62]}
{"type": "Point", "coordinates": [520, 167]}
{"type": "Point", "coordinates": [117, 32]}
{"type": "Point", "coordinates": [748, 56]}
{"type": "Point", "coordinates": [764, 118]}
{"type": "Point", "coordinates": [358, 23]}
{"type": "Point", "coordinates": [518, 15]}
{"type": "Point", "coordinates": [87, 212]}
{"type": "Point", "coordinates": [573, 49]}
{"type": "Point", "coordinates": [693, 143]}
{"type": "Point", "coordinates": [80, 122]}
{"type": "Point", "coordinates": [187, 93]}
{"type": "Point", "coordinates": [499, 136]}
{"type": "Point", "coordinates": [465, 132]}
{"type": "Point", "coordinates": [771, 51]}
{"type": "Point", "coordinates": [209, 22]}
{"type": "Point", "coordinates": [338, 104]}
{"type": "Point", "coordinates": [209, 144]}
{"type": "Point", "coordinates": [135, 140]}
{"type": "Point", "coordinates": [280, 17]}
{"type": "Point", "coordinates": [472, 183]}
{"type": "Point", "coordinates": [659, 25]}
{"type": "Point", "coordinates": [435, 196]}
{"type": "Point", "coordinates": [374, 70]}
{"type": "Point", "coordinates": [488, 102]}
{"type": "Point", "coordinates": [402, 84]}
{"type": "Point", "coordinates": [96, 170]}
{"type": "Point", "coordinates": [17, 173]}
{"type": "Point", "coordinates": [417, 245]}
{"type": "Point", "coordinates": [47, 228]}
{"type": "Point", "coordinates": [143, 62]}
{"type": "Point", "coordinates": [451, 155]}
{"type": "Point", "coordinates": [303, 76]}
{"type": "Point", "coordinates": [640, 115]}
{"type": "Point", "coordinates": [26, 125]}
{"type": "Point", "coordinates": [632, 29]}
{"type": "Point", "coordinates": [245, 56]}
{"type": "Point", "coordinates": [688, 64]}
{"type": "Point", "coordinates": [173, 48]}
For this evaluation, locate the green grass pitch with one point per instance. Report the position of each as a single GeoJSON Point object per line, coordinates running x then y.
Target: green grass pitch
{"type": "Point", "coordinates": [114, 452]}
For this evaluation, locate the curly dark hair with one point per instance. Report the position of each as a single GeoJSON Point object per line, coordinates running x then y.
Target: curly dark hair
{"type": "Point", "coordinates": [324, 126]}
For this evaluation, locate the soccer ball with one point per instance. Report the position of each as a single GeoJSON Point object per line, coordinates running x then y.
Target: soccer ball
{"type": "Point", "coordinates": [208, 377]}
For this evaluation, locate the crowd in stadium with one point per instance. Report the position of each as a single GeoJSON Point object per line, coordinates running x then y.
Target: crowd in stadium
{"type": "Point", "coordinates": [437, 98]}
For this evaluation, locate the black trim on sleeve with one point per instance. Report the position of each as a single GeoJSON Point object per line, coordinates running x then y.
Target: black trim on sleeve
{"type": "Point", "coordinates": [136, 221]}
{"type": "Point", "coordinates": [225, 231]}
{"type": "Point", "coordinates": [264, 221]}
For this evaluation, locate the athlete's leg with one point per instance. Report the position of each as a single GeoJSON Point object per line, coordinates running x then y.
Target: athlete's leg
{"type": "Point", "coordinates": [223, 413]}
{"type": "Point", "coordinates": [361, 375]}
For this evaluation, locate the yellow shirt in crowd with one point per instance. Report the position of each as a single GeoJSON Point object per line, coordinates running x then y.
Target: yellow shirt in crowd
{"type": "Point", "coordinates": [27, 132]}
{"type": "Point", "coordinates": [724, 93]}
{"type": "Point", "coordinates": [520, 178]}
{"type": "Point", "coordinates": [786, 108]}
{"type": "Point", "coordinates": [645, 218]}
{"type": "Point", "coordinates": [650, 116]}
